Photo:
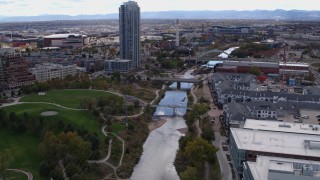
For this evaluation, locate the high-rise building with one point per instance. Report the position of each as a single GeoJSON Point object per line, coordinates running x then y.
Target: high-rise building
{"type": "Point", "coordinates": [129, 24]}
{"type": "Point", "coordinates": [13, 70]}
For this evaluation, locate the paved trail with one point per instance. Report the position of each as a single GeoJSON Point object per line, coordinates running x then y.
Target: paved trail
{"type": "Point", "coordinates": [28, 174]}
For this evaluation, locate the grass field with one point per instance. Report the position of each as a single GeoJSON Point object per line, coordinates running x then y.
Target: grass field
{"type": "Point", "coordinates": [25, 152]}
{"type": "Point", "coordinates": [67, 98]}
{"type": "Point", "coordinates": [80, 119]}
{"type": "Point", "coordinates": [117, 127]}
{"type": "Point", "coordinates": [26, 146]}
{"type": "Point", "coordinates": [15, 175]}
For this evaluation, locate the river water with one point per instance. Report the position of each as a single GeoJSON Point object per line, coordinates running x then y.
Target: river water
{"type": "Point", "coordinates": [160, 148]}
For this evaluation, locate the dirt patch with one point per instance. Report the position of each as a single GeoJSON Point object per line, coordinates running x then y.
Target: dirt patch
{"type": "Point", "coordinates": [49, 113]}
{"type": "Point", "coordinates": [156, 124]}
{"type": "Point", "coordinates": [183, 130]}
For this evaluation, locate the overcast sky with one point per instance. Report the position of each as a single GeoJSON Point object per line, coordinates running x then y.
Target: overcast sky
{"type": "Point", "coordinates": [76, 7]}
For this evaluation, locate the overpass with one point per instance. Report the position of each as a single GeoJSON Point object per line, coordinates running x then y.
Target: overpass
{"type": "Point", "coordinates": [178, 80]}
{"type": "Point", "coordinates": [196, 81]}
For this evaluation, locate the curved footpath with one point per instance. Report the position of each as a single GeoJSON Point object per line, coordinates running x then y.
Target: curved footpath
{"type": "Point", "coordinates": [28, 174]}
{"type": "Point", "coordinates": [105, 160]}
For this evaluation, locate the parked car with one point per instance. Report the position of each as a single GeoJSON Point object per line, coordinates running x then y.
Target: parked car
{"type": "Point", "coordinates": [318, 116]}
{"type": "Point", "coordinates": [305, 116]}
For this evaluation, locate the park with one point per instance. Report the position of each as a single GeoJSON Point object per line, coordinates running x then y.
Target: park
{"type": "Point", "coordinates": [59, 109]}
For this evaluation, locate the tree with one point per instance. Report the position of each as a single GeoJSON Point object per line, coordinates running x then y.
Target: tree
{"type": "Point", "coordinates": [207, 133]}
{"type": "Point", "coordinates": [147, 67]}
{"type": "Point", "coordinates": [196, 113]}
{"type": "Point", "coordinates": [189, 174]}
{"type": "Point", "coordinates": [199, 150]}
{"type": "Point", "coordinates": [254, 70]}
{"type": "Point", "coordinates": [262, 78]}
{"type": "Point", "coordinates": [6, 158]}
{"type": "Point", "coordinates": [116, 76]}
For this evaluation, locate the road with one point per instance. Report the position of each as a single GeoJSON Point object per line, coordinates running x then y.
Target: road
{"type": "Point", "coordinates": [221, 155]}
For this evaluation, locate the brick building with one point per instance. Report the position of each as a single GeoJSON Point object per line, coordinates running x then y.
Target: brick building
{"type": "Point", "coordinates": [13, 70]}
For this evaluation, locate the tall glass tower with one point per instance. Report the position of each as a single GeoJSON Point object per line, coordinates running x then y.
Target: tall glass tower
{"type": "Point", "coordinates": [129, 24]}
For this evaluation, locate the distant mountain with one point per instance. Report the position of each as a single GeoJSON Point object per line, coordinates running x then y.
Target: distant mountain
{"type": "Point", "coordinates": [227, 14]}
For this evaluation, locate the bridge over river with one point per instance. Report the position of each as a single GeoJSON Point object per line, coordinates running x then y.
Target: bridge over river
{"type": "Point", "coordinates": [178, 80]}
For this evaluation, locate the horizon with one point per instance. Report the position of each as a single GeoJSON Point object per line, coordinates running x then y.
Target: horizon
{"type": "Point", "coordinates": [11, 8]}
{"type": "Point", "coordinates": [159, 11]}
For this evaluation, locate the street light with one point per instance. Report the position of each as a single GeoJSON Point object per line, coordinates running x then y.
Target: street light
{"type": "Point", "coordinates": [125, 98]}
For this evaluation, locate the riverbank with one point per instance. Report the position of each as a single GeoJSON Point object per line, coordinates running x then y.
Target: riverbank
{"type": "Point", "coordinates": [156, 124]}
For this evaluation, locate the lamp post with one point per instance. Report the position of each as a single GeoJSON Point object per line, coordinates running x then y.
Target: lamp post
{"type": "Point", "coordinates": [125, 98]}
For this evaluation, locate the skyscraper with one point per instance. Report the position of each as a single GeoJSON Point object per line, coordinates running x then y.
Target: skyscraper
{"type": "Point", "coordinates": [129, 24]}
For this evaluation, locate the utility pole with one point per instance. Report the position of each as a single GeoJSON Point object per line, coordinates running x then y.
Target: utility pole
{"type": "Point", "coordinates": [125, 97]}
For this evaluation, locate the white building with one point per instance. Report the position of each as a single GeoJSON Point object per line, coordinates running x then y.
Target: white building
{"type": "Point", "coordinates": [47, 71]}
{"type": "Point", "coordinates": [275, 168]}
{"type": "Point", "coordinates": [271, 138]}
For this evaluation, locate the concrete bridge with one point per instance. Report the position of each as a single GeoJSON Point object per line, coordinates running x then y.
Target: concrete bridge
{"type": "Point", "coordinates": [178, 80]}
{"type": "Point", "coordinates": [171, 106]}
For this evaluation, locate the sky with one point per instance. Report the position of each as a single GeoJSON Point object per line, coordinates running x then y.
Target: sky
{"type": "Point", "coordinates": [78, 7]}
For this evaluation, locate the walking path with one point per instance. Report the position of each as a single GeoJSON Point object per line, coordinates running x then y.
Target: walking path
{"type": "Point", "coordinates": [105, 160]}
{"type": "Point", "coordinates": [157, 94]}
{"type": "Point", "coordinates": [28, 174]}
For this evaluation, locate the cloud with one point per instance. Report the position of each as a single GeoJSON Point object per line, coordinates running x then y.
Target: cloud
{"type": "Point", "coordinates": [6, 2]}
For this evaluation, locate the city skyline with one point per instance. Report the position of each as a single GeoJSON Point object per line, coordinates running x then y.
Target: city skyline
{"type": "Point", "coordinates": [75, 7]}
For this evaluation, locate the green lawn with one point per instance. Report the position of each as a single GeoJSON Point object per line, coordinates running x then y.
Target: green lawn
{"type": "Point", "coordinates": [25, 152]}
{"type": "Point", "coordinates": [15, 175]}
{"type": "Point", "coordinates": [67, 98]}
{"type": "Point", "coordinates": [117, 127]}
{"type": "Point", "coordinates": [80, 119]}
{"type": "Point", "coordinates": [25, 146]}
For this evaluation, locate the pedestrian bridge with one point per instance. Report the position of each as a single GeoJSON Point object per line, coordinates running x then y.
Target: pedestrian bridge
{"type": "Point", "coordinates": [196, 81]}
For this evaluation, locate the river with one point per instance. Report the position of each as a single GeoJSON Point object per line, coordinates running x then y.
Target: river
{"type": "Point", "coordinates": [228, 51]}
{"type": "Point", "coordinates": [160, 148]}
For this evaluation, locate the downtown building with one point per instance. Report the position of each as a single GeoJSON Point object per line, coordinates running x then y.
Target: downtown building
{"type": "Point", "coordinates": [129, 25]}
{"type": "Point", "coordinates": [13, 70]}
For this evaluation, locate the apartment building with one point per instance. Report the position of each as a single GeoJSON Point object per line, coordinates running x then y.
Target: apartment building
{"type": "Point", "coordinates": [275, 139]}
{"type": "Point", "coordinates": [13, 70]}
{"type": "Point", "coordinates": [275, 168]}
{"type": "Point", "coordinates": [47, 71]}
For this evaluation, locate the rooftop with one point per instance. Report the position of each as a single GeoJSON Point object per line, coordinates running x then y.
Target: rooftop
{"type": "Point", "coordinates": [118, 60]}
{"type": "Point", "coordinates": [276, 142]}
{"type": "Point", "coordinates": [264, 165]}
{"type": "Point", "coordinates": [294, 64]}
{"type": "Point", "coordinates": [63, 35]}
{"type": "Point", "coordinates": [278, 126]}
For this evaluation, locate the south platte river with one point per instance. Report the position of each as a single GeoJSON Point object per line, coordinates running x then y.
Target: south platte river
{"type": "Point", "coordinates": [160, 148]}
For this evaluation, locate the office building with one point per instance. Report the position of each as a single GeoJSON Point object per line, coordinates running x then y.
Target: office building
{"type": "Point", "coordinates": [47, 71]}
{"type": "Point", "coordinates": [13, 70]}
{"type": "Point", "coordinates": [118, 65]}
{"type": "Point", "coordinates": [129, 24]}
